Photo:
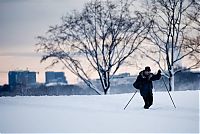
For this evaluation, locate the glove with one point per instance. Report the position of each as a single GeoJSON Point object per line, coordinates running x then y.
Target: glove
{"type": "Point", "coordinates": [151, 75]}
{"type": "Point", "coordinates": [159, 71]}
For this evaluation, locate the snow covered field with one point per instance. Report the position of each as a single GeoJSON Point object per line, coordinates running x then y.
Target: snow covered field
{"type": "Point", "coordinates": [101, 114]}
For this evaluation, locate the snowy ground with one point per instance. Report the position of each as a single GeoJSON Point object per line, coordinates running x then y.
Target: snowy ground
{"type": "Point", "coordinates": [101, 114]}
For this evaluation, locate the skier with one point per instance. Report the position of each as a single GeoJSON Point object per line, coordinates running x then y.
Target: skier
{"type": "Point", "coordinates": [145, 85]}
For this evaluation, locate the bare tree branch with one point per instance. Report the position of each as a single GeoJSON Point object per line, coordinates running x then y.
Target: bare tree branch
{"type": "Point", "coordinates": [104, 34]}
{"type": "Point", "coordinates": [173, 22]}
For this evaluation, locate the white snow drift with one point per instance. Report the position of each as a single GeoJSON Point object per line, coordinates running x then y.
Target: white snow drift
{"type": "Point", "coordinates": [100, 114]}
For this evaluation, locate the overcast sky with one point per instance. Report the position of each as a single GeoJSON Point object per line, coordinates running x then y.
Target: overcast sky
{"type": "Point", "coordinates": [21, 21]}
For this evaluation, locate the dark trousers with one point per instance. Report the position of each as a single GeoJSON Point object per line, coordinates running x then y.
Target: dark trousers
{"type": "Point", "coordinates": [148, 100]}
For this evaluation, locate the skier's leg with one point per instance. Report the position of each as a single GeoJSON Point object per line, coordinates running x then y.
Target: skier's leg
{"type": "Point", "coordinates": [146, 105]}
{"type": "Point", "coordinates": [150, 98]}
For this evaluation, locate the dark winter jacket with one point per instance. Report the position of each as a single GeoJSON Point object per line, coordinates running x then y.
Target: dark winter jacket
{"type": "Point", "coordinates": [144, 83]}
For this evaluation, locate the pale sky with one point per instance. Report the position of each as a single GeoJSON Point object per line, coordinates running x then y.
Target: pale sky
{"type": "Point", "coordinates": [21, 21]}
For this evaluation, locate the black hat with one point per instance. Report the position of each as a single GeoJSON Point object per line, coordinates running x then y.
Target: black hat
{"type": "Point", "coordinates": [147, 69]}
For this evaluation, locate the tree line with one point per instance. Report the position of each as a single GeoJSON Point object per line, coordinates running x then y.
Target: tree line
{"type": "Point", "coordinates": [105, 34]}
{"type": "Point", "coordinates": [183, 81]}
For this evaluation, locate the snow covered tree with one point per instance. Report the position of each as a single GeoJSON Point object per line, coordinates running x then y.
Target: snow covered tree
{"type": "Point", "coordinates": [171, 35]}
{"type": "Point", "coordinates": [102, 35]}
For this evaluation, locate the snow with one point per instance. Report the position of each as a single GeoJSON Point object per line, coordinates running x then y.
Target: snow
{"type": "Point", "coordinates": [99, 114]}
{"type": "Point", "coordinates": [55, 84]}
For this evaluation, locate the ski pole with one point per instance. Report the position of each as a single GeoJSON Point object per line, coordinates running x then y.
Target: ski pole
{"type": "Point", "coordinates": [130, 99]}
{"type": "Point", "coordinates": [168, 92]}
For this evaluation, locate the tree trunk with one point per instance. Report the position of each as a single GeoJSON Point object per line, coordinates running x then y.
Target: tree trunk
{"type": "Point", "coordinates": [171, 79]}
{"type": "Point", "coordinates": [105, 82]}
{"type": "Point", "coordinates": [171, 83]}
{"type": "Point", "coordinates": [106, 88]}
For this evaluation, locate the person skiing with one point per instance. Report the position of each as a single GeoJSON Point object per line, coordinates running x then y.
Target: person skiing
{"type": "Point", "coordinates": [145, 85]}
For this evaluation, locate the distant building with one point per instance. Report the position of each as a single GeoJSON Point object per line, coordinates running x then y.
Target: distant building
{"type": "Point", "coordinates": [123, 75]}
{"type": "Point", "coordinates": [24, 78]}
{"type": "Point", "coordinates": [122, 78]}
{"type": "Point", "coordinates": [55, 77]}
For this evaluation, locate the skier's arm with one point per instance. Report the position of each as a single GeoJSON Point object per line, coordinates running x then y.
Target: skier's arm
{"type": "Point", "coordinates": [156, 77]}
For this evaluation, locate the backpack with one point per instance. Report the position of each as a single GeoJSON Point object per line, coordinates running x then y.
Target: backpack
{"type": "Point", "coordinates": [137, 84]}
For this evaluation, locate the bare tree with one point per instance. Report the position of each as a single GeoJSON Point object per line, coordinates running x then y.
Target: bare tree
{"type": "Point", "coordinates": [170, 35]}
{"type": "Point", "coordinates": [104, 34]}
{"type": "Point", "coordinates": [195, 16]}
